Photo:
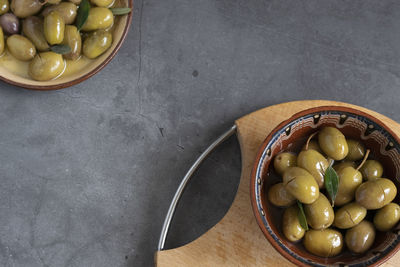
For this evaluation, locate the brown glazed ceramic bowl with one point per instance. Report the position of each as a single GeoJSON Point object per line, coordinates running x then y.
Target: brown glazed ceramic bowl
{"type": "Point", "coordinates": [11, 72]}
{"type": "Point", "coordinates": [384, 146]}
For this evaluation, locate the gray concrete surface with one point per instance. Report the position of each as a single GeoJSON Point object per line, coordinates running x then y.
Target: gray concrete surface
{"type": "Point", "coordinates": [87, 173]}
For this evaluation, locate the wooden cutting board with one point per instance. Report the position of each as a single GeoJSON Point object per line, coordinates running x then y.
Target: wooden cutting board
{"type": "Point", "coordinates": [237, 239]}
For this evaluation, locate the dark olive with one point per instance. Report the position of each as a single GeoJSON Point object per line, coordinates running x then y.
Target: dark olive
{"type": "Point", "coordinates": [361, 237]}
{"type": "Point", "coordinates": [10, 23]}
{"type": "Point", "coordinates": [32, 27]}
{"type": "Point", "coordinates": [333, 143]}
{"type": "Point", "coordinates": [371, 169]}
{"type": "Point", "coordinates": [356, 150]}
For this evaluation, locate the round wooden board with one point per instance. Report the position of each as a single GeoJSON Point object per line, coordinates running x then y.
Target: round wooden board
{"type": "Point", "coordinates": [237, 239]}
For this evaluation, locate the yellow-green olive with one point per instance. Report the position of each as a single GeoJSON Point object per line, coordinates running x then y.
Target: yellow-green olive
{"type": "Point", "coordinates": [25, 8]}
{"type": "Point", "coordinates": [67, 11]}
{"type": "Point", "coordinates": [290, 224]}
{"type": "Point", "coordinates": [301, 184]}
{"type": "Point", "coordinates": [349, 180]}
{"type": "Point", "coordinates": [323, 243]}
{"type": "Point", "coordinates": [1, 41]}
{"type": "Point", "coordinates": [46, 66]}
{"type": "Point", "coordinates": [20, 47]}
{"type": "Point", "coordinates": [278, 196]}
{"type": "Point", "coordinates": [387, 217]}
{"type": "Point", "coordinates": [284, 160]}
{"type": "Point", "coordinates": [32, 27]}
{"type": "Point", "coordinates": [97, 43]}
{"type": "Point", "coordinates": [319, 214]}
{"type": "Point", "coordinates": [4, 6]}
{"type": "Point", "coordinates": [76, 2]}
{"type": "Point", "coordinates": [54, 27]}
{"type": "Point", "coordinates": [356, 150]}
{"type": "Point", "coordinates": [376, 193]}
{"type": "Point", "coordinates": [371, 169]}
{"type": "Point", "coordinates": [333, 143]}
{"type": "Point", "coordinates": [316, 164]}
{"type": "Point", "coordinates": [361, 237]}
{"type": "Point", "coordinates": [312, 145]}
{"type": "Point", "coordinates": [343, 164]}
{"type": "Point", "coordinates": [72, 38]}
{"type": "Point", "coordinates": [349, 215]}
{"type": "Point", "coordinates": [99, 18]}
{"type": "Point", "coordinates": [102, 3]}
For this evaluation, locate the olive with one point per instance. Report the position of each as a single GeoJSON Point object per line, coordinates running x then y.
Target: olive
{"type": "Point", "coordinates": [25, 8]}
{"type": "Point", "coordinates": [284, 160]}
{"type": "Point", "coordinates": [356, 150]}
{"type": "Point", "coordinates": [4, 6]}
{"type": "Point", "coordinates": [10, 23]}
{"type": "Point", "coordinates": [46, 66]}
{"type": "Point", "coordinates": [343, 164]}
{"type": "Point", "coordinates": [32, 27]}
{"type": "Point", "coordinates": [312, 145]}
{"type": "Point", "coordinates": [102, 3]}
{"type": "Point", "coordinates": [376, 193]}
{"type": "Point", "coordinates": [319, 214]}
{"type": "Point", "coordinates": [333, 143]}
{"type": "Point", "coordinates": [361, 237]}
{"type": "Point", "coordinates": [291, 226]}
{"type": "Point", "coordinates": [323, 243]}
{"type": "Point", "coordinates": [20, 47]}
{"type": "Point", "coordinates": [53, 2]}
{"type": "Point", "coordinates": [54, 28]}
{"type": "Point", "coordinates": [97, 43]}
{"type": "Point", "coordinates": [371, 169]}
{"type": "Point", "coordinates": [99, 18]}
{"type": "Point", "coordinates": [387, 217]}
{"type": "Point", "coordinates": [76, 2]}
{"type": "Point", "coordinates": [301, 184]}
{"type": "Point", "coordinates": [278, 196]}
{"type": "Point", "coordinates": [316, 164]}
{"type": "Point", "coordinates": [72, 38]}
{"type": "Point", "coordinates": [67, 11]}
{"type": "Point", "coordinates": [349, 215]}
{"type": "Point", "coordinates": [349, 180]}
{"type": "Point", "coordinates": [1, 41]}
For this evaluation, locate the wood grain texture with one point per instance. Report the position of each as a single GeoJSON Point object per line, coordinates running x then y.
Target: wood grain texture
{"type": "Point", "coordinates": [237, 239]}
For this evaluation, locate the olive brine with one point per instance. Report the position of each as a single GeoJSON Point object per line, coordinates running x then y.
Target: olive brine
{"type": "Point", "coordinates": [46, 32]}
{"type": "Point", "coordinates": [328, 190]}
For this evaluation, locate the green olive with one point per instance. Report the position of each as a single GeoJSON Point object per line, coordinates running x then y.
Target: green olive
{"type": "Point", "coordinates": [343, 164]}
{"type": "Point", "coordinates": [20, 47]}
{"type": "Point", "coordinates": [361, 237]}
{"type": "Point", "coordinates": [67, 11]}
{"type": "Point", "coordinates": [53, 2]}
{"type": "Point", "coordinates": [72, 38]}
{"type": "Point", "coordinates": [102, 3]}
{"type": "Point", "coordinates": [76, 2]}
{"type": "Point", "coordinates": [1, 41]}
{"type": "Point", "coordinates": [387, 217]}
{"type": "Point", "coordinates": [46, 66]}
{"type": "Point", "coordinates": [99, 18]}
{"type": "Point", "coordinates": [97, 43]}
{"type": "Point", "coordinates": [372, 169]}
{"type": "Point", "coordinates": [4, 6]}
{"type": "Point", "coordinates": [349, 180]}
{"type": "Point", "coordinates": [323, 243]}
{"type": "Point", "coordinates": [290, 224]}
{"type": "Point", "coordinates": [356, 150]}
{"type": "Point", "coordinates": [316, 164]}
{"type": "Point", "coordinates": [319, 214]}
{"type": "Point", "coordinates": [376, 193]}
{"type": "Point", "coordinates": [313, 145]}
{"type": "Point", "coordinates": [349, 215]}
{"type": "Point", "coordinates": [284, 160]}
{"type": "Point", "coordinates": [301, 184]}
{"type": "Point", "coordinates": [54, 28]}
{"type": "Point", "coordinates": [25, 8]}
{"type": "Point", "coordinates": [32, 27]}
{"type": "Point", "coordinates": [333, 143]}
{"type": "Point", "coordinates": [278, 196]}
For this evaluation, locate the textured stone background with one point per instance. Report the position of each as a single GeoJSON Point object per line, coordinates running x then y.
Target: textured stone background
{"type": "Point", "coordinates": [87, 173]}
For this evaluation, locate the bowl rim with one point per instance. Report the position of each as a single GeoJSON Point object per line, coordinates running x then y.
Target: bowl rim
{"type": "Point", "coordinates": [87, 75]}
{"type": "Point", "coordinates": [257, 162]}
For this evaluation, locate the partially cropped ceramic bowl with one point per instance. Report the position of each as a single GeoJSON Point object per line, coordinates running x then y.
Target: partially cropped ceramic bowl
{"type": "Point", "coordinates": [16, 73]}
{"type": "Point", "coordinates": [385, 147]}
